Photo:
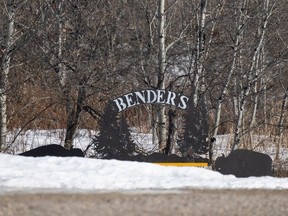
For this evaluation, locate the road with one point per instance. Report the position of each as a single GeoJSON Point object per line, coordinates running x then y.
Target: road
{"type": "Point", "coordinates": [156, 203]}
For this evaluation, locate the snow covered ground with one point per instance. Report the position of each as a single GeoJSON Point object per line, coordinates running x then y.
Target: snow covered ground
{"type": "Point", "coordinates": [25, 140]}
{"type": "Point", "coordinates": [19, 173]}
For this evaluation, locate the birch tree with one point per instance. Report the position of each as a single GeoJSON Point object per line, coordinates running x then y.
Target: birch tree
{"type": "Point", "coordinates": [58, 10]}
{"type": "Point", "coordinates": [240, 22]}
{"type": "Point", "coordinates": [268, 9]}
{"type": "Point", "coordinates": [200, 50]}
{"type": "Point", "coordinates": [281, 126]}
{"type": "Point", "coordinates": [9, 8]}
{"type": "Point", "coordinates": [156, 65]}
{"type": "Point", "coordinates": [162, 120]}
{"type": "Point", "coordinates": [84, 52]}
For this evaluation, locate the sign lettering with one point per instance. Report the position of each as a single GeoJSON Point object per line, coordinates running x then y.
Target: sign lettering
{"type": "Point", "coordinates": [150, 96]}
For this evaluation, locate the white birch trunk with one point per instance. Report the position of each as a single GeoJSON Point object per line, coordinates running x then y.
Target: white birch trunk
{"type": "Point", "coordinates": [281, 123]}
{"type": "Point", "coordinates": [263, 80]}
{"type": "Point", "coordinates": [162, 119]}
{"type": "Point", "coordinates": [62, 72]}
{"type": "Point", "coordinates": [251, 78]}
{"type": "Point", "coordinates": [62, 78]}
{"type": "Point", "coordinates": [199, 57]}
{"type": "Point", "coordinates": [226, 83]}
{"type": "Point", "coordinates": [4, 73]}
{"type": "Point", "coordinates": [254, 99]}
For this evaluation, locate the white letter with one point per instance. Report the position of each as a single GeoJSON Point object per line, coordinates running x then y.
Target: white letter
{"type": "Point", "coordinates": [120, 104]}
{"type": "Point", "coordinates": [170, 98]}
{"type": "Point", "coordinates": [140, 96]}
{"type": "Point", "coordinates": [149, 99]}
{"type": "Point", "coordinates": [160, 94]}
{"type": "Point", "coordinates": [129, 99]}
{"type": "Point", "coordinates": [183, 102]}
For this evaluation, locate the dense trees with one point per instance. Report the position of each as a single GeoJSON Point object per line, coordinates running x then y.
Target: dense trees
{"type": "Point", "coordinates": [62, 61]}
{"type": "Point", "coordinates": [114, 139]}
{"type": "Point", "coordinates": [196, 130]}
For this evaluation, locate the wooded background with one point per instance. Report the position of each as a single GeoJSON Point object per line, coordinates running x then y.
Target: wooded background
{"type": "Point", "coordinates": [62, 61]}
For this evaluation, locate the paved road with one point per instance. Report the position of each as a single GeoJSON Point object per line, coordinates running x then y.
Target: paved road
{"type": "Point", "coordinates": [189, 202]}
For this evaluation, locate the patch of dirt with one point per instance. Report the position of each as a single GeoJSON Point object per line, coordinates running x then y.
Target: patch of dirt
{"type": "Point", "coordinates": [186, 202]}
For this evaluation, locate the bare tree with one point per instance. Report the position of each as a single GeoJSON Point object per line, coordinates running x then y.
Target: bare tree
{"type": "Point", "coordinates": [251, 77]}
{"type": "Point", "coordinates": [239, 27]}
{"type": "Point", "coordinates": [162, 120]}
{"type": "Point", "coordinates": [6, 55]}
{"type": "Point", "coordinates": [281, 125]}
{"type": "Point", "coordinates": [83, 53]}
{"type": "Point", "coordinates": [82, 57]}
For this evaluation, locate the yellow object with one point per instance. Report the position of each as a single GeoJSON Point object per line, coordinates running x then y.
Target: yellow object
{"type": "Point", "coordinates": [184, 164]}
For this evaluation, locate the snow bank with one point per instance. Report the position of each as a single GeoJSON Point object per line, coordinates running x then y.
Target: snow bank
{"type": "Point", "coordinates": [26, 173]}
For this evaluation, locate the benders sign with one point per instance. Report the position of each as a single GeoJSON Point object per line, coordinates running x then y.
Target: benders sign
{"type": "Point", "coordinates": [150, 96]}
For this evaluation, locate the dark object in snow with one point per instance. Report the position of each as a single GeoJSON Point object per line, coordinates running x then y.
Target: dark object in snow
{"type": "Point", "coordinates": [53, 150]}
{"type": "Point", "coordinates": [245, 163]}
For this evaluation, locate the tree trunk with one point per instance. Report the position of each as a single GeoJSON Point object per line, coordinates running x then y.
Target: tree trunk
{"type": "Point", "coordinates": [239, 31]}
{"type": "Point", "coordinates": [6, 59]}
{"type": "Point", "coordinates": [72, 110]}
{"type": "Point", "coordinates": [162, 130]}
{"type": "Point", "coordinates": [171, 132]}
{"type": "Point", "coordinates": [199, 58]}
{"type": "Point", "coordinates": [251, 79]}
{"type": "Point", "coordinates": [73, 116]}
{"type": "Point", "coordinates": [281, 123]}
{"type": "Point", "coordinates": [265, 121]}
{"type": "Point", "coordinates": [62, 73]}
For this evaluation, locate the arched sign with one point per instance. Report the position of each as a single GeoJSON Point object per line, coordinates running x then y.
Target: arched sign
{"type": "Point", "coordinates": [151, 96]}
{"type": "Point", "coordinates": [114, 140]}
